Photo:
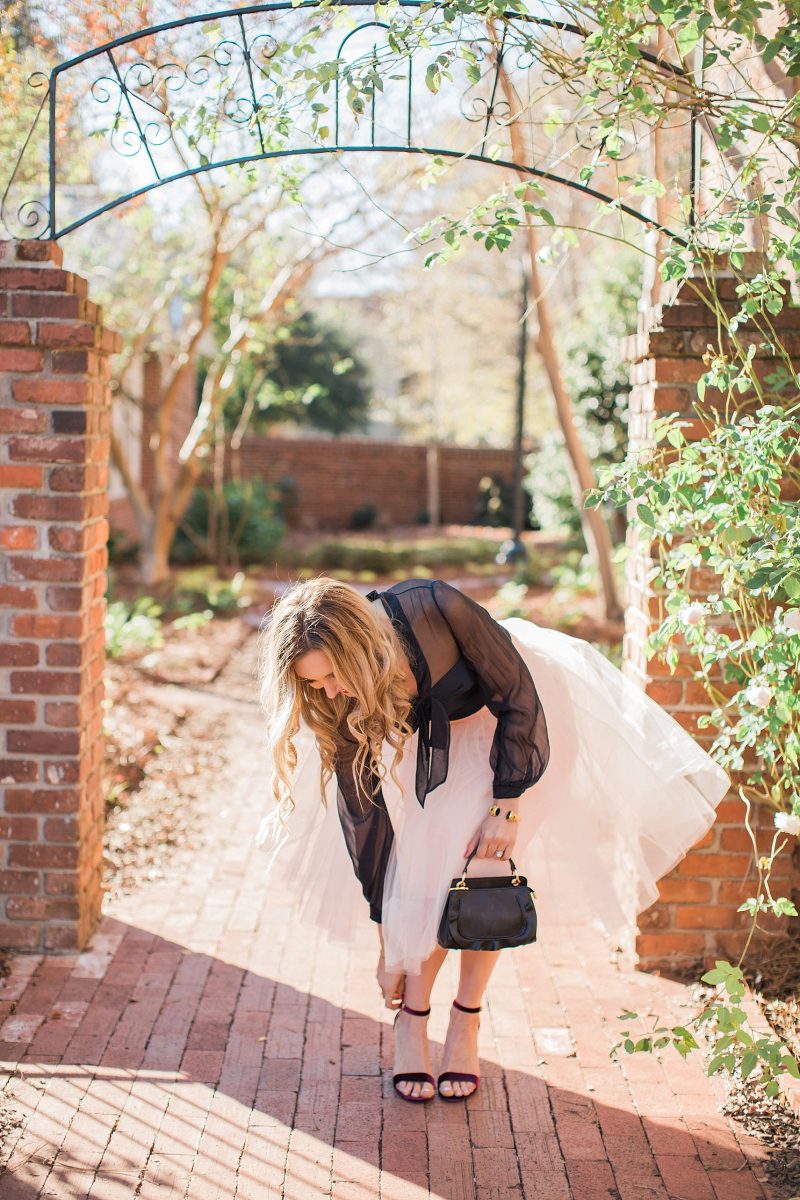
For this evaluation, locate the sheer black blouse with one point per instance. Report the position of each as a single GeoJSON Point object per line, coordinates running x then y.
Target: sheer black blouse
{"type": "Point", "coordinates": [462, 659]}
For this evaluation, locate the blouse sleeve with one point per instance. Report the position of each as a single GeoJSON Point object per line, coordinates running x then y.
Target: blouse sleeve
{"type": "Point", "coordinates": [521, 749]}
{"type": "Point", "coordinates": [368, 832]}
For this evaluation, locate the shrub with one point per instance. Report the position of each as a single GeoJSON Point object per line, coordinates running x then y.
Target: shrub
{"type": "Point", "coordinates": [382, 558]}
{"type": "Point", "coordinates": [363, 517]}
{"type": "Point", "coordinates": [133, 626]}
{"type": "Point", "coordinates": [122, 548]}
{"type": "Point", "coordinates": [495, 503]}
{"type": "Point", "coordinates": [199, 592]}
{"type": "Point", "coordinates": [254, 524]}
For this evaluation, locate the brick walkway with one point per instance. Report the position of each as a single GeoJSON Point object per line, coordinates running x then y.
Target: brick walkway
{"type": "Point", "coordinates": [206, 1046]}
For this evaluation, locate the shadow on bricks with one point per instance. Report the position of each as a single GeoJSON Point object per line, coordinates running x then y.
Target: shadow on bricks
{"type": "Point", "coordinates": [146, 1069]}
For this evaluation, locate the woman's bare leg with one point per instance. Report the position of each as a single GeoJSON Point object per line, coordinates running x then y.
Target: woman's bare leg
{"type": "Point", "coordinates": [461, 1043]}
{"type": "Point", "coordinates": [411, 1033]}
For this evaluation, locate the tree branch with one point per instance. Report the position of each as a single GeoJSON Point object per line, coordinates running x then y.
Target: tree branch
{"type": "Point", "coordinates": [141, 507]}
{"type": "Point", "coordinates": [598, 538]}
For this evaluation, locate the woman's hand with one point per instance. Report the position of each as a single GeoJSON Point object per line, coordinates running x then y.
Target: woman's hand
{"type": "Point", "coordinates": [391, 983]}
{"type": "Point", "coordinates": [495, 833]}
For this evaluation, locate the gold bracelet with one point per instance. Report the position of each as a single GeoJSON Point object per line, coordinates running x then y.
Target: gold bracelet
{"type": "Point", "coordinates": [511, 815]}
{"type": "Point", "coordinates": [494, 811]}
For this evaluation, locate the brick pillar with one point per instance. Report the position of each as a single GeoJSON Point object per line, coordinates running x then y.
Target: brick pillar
{"type": "Point", "coordinates": [54, 413]}
{"type": "Point", "coordinates": [695, 920]}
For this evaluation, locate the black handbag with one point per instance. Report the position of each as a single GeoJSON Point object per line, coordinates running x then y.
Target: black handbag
{"type": "Point", "coordinates": [488, 912]}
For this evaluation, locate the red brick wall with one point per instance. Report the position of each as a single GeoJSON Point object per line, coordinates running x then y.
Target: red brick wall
{"type": "Point", "coordinates": [695, 920]}
{"type": "Point", "coordinates": [334, 476]}
{"type": "Point", "coordinates": [54, 413]}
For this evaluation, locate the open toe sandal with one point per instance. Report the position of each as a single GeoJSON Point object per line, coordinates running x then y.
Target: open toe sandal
{"type": "Point", "coordinates": [413, 1076]}
{"type": "Point", "coordinates": [459, 1076]}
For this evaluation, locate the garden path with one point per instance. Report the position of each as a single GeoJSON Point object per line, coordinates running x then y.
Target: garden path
{"type": "Point", "coordinates": [207, 1046]}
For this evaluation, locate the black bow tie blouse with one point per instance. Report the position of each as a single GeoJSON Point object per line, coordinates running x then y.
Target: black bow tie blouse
{"type": "Point", "coordinates": [462, 659]}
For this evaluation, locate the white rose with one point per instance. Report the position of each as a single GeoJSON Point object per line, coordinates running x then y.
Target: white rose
{"type": "Point", "coordinates": [692, 614]}
{"type": "Point", "coordinates": [759, 695]}
{"type": "Point", "coordinates": [791, 620]}
{"type": "Point", "coordinates": [787, 823]}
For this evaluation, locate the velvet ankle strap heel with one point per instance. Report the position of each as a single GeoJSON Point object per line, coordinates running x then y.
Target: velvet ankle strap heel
{"type": "Point", "coordinates": [413, 1076]}
{"type": "Point", "coordinates": [459, 1076]}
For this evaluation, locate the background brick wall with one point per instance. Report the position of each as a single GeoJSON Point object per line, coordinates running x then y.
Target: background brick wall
{"type": "Point", "coordinates": [54, 412]}
{"type": "Point", "coordinates": [335, 476]}
{"type": "Point", "coordinates": [695, 920]}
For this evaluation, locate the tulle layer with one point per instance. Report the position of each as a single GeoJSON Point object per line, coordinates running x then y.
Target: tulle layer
{"type": "Point", "coordinates": [626, 793]}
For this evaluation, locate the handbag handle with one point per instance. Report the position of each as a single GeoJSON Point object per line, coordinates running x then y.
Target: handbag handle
{"type": "Point", "coordinates": [462, 885]}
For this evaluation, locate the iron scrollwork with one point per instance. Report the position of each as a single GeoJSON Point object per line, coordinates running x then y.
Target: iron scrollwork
{"type": "Point", "coordinates": [228, 102]}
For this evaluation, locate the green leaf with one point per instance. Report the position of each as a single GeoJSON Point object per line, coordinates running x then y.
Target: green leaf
{"type": "Point", "coordinates": [749, 1063]}
{"type": "Point", "coordinates": [788, 218]}
{"type": "Point", "coordinates": [433, 78]}
{"type": "Point", "coordinates": [688, 37]}
{"type": "Point", "coordinates": [771, 50]}
{"type": "Point", "coordinates": [645, 515]}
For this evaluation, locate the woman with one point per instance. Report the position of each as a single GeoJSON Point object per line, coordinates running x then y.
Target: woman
{"type": "Point", "coordinates": [448, 731]}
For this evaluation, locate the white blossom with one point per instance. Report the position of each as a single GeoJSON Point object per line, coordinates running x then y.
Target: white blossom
{"type": "Point", "coordinates": [692, 614]}
{"type": "Point", "coordinates": [787, 823]}
{"type": "Point", "coordinates": [759, 695]}
{"type": "Point", "coordinates": [791, 620]}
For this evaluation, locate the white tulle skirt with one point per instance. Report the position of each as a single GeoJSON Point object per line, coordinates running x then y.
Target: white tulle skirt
{"type": "Point", "coordinates": [626, 793]}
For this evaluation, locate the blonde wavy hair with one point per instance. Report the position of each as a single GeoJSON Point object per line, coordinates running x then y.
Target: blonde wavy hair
{"type": "Point", "coordinates": [366, 655]}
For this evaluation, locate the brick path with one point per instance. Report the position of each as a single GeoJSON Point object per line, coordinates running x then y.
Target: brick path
{"type": "Point", "coordinates": [205, 1046]}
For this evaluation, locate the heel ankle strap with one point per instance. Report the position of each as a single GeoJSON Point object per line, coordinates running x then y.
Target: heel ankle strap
{"type": "Point", "coordinates": [416, 1012]}
{"type": "Point", "coordinates": [463, 1007]}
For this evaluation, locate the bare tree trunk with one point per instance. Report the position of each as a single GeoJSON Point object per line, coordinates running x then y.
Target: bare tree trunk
{"type": "Point", "coordinates": [154, 554]}
{"type": "Point", "coordinates": [595, 530]}
{"type": "Point", "coordinates": [242, 425]}
{"type": "Point", "coordinates": [222, 527]}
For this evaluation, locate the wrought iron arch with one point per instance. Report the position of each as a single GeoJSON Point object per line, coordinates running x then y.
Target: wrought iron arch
{"type": "Point", "coordinates": [235, 55]}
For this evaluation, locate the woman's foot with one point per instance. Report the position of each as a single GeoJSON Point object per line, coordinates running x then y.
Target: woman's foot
{"type": "Point", "coordinates": [460, 1054]}
{"type": "Point", "coordinates": [411, 1054]}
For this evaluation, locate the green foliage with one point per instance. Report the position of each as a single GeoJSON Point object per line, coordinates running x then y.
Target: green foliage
{"type": "Point", "coordinates": [303, 371]}
{"type": "Point", "coordinates": [509, 600]}
{"type": "Point", "coordinates": [597, 377]}
{"type": "Point", "coordinates": [716, 505]}
{"type": "Point", "coordinates": [255, 527]}
{"type": "Point", "coordinates": [363, 517]}
{"type": "Point", "coordinates": [495, 503]}
{"type": "Point", "coordinates": [375, 554]}
{"type": "Point", "coordinates": [131, 627]}
{"type": "Point", "coordinates": [199, 595]}
{"type": "Point", "coordinates": [737, 1049]}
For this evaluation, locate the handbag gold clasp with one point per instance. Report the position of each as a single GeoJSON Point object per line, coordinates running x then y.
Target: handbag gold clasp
{"type": "Point", "coordinates": [461, 886]}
